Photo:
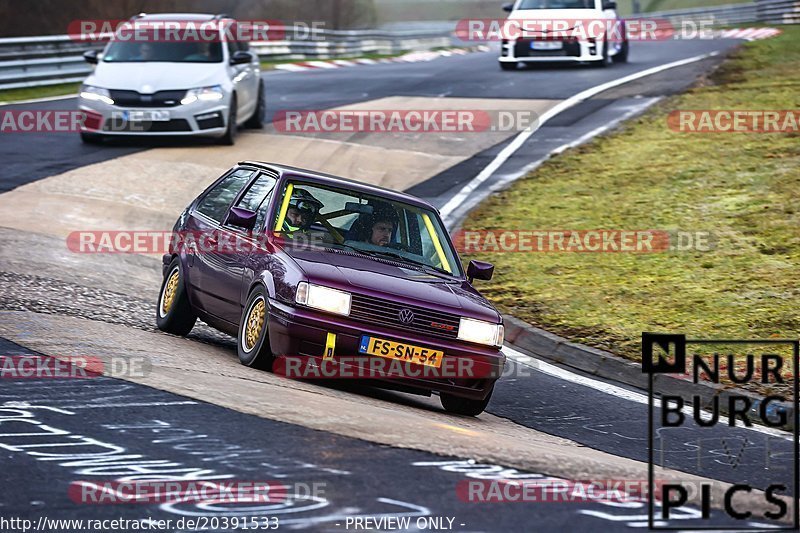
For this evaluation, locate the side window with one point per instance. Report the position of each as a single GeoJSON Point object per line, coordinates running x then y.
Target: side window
{"type": "Point", "coordinates": [257, 197]}
{"type": "Point", "coordinates": [215, 204]}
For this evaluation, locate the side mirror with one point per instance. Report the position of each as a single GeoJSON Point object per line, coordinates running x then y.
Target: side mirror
{"type": "Point", "coordinates": [241, 218]}
{"type": "Point", "coordinates": [241, 58]}
{"type": "Point", "coordinates": [90, 56]}
{"type": "Point", "coordinates": [508, 7]}
{"type": "Point", "coordinates": [609, 4]}
{"type": "Point", "coordinates": [480, 270]}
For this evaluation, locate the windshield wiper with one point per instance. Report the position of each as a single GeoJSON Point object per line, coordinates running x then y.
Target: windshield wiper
{"type": "Point", "coordinates": [424, 266]}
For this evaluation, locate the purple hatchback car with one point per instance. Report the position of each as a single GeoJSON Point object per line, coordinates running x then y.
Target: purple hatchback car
{"type": "Point", "coordinates": [307, 269]}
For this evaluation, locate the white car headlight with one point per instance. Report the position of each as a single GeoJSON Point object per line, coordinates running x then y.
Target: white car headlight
{"type": "Point", "coordinates": [203, 94]}
{"type": "Point", "coordinates": [323, 298]}
{"type": "Point", "coordinates": [481, 332]}
{"type": "Point", "coordinates": [96, 94]}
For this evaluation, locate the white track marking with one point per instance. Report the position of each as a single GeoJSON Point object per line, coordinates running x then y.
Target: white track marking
{"type": "Point", "coordinates": [291, 67]}
{"type": "Point", "coordinates": [520, 139]}
{"type": "Point", "coordinates": [319, 64]}
{"type": "Point", "coordinates": [614, 390]}
{"type": "Point", "coordinates": [147, 404]}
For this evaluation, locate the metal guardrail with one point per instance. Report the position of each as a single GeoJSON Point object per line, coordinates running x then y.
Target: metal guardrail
{"type": "Point", "coordinates": [50, 60]}
{"type": "Point", "coordinates": [36, 61]}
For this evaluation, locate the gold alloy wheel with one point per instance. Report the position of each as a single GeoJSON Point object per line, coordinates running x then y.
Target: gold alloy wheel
{"type": "Point", "coordinates": [254, 325]}
{"type": "Point", "coordinates": [170, 289]}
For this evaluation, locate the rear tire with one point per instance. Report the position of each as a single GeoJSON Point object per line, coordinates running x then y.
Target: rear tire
{"type": "Point", "coordinates": [256, 122]}
{"type": "Point", "coordinates": [174, 313]}
{"type": "Point", "coordinates": [464, 406]}
{"type": "Point", "coordinates": [508, 66]}
{"type": "Point", "coordinates": [253, 338]}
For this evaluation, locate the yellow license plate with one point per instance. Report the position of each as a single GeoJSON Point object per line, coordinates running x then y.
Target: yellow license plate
{"type": "Point", "coordinates": [401, 351]}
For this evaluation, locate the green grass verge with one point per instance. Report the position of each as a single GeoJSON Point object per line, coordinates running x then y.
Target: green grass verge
{"type": "Point", "coordinates": [29, 93]}
{"type": "Point", "coordinates": [743, 188]}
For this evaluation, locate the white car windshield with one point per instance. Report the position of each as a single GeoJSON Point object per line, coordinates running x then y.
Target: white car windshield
{"type": "Point", "coordinates": [556, 4]}
{"type": "Point", "coordinates": [170, 52]}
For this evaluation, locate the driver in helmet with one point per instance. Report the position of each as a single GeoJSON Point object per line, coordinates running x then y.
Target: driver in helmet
{"type": "Point", "coordinates": [302, 212]}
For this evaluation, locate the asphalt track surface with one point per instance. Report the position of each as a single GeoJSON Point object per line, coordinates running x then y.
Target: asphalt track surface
{"type": "Point", "coordinates": [380, 480]}
{"type": "Point", "coordinates": [101, 429]}
{"type": "Point", "coordinates": [34, 156]}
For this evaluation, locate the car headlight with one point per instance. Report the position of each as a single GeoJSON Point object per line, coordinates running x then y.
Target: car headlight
{"type": "Point", "coordinates": [323, 298]}
{"type": "Point", "coordinates": [481, 332]}
{"type": "Point", "coordinates": [96, 94]}
{"type": "Point", "coordinates": [204, 94]}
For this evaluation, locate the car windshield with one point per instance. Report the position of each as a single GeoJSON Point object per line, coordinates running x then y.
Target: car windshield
{"type": "Point", "coordinates": [556, 4]}
{"type": "Point", "coordinates": [171, 52]}
{"type": "Point", "coordinates": [350, 221]}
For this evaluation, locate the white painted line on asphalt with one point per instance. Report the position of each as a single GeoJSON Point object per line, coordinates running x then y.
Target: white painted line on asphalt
{"type": "Point", "coordinates": [147, 404]}
{"type": "Point", "coordinates": [605, 127]}
{"type": "Point", "coordinates": [614, 390]}
{"type": "Point", "coordinates": [503, 180]}
{"type": "Point", "coordinates": [520, 139]}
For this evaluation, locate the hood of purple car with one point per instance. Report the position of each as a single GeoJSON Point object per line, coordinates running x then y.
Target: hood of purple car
{"type": "Point", "coordinates": [391, 281]}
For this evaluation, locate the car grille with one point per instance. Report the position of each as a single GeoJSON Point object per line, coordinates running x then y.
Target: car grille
{"type": "Point", "coordinates": [158, 99]}
{"type": "Point", "coordinates": [522, 48]}
{"type": "Point", "coordinates": [176, 124]}
{"type": "Point", "coordinates": [387, 313]}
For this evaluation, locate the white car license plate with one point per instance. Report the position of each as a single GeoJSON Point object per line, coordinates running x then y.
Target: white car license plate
{"type": "Point", "coordinates": [547, 45]}
{"type": "Point", "coordinates": [146, 116]}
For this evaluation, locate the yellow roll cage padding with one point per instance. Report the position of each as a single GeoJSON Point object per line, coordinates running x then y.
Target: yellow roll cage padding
{"type": "Point", "coordinates": [436, 244]}
{"type": "Point", "coordinates": [284, 207]}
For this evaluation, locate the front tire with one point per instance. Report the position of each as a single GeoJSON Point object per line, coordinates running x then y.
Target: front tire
{"type": "Point", "coordinates": [229, 139]}
{"type": "Point", "coordinates": [606, 60]}
{"type": "Point", "coordinates": [253, 338]}
{"type": "Point", "coordinates": [256, 122]}
{"type": "Point", "coordinates": [508, 66]}
{"type": "Point", "coordinates": [91, 138]}
{"type": "Point", "coordinates": [174, 313]}
{"type": "Point", "coordinates": [464, 406]}
{"type": "Point", "coordinates": [622, 55]}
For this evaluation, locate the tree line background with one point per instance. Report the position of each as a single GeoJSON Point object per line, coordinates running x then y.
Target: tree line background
{"type": "Point", "coordinates": [52, 17]}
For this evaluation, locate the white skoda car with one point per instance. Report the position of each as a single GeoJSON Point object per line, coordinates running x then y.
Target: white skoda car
{"type": "Point", "coordinates": [171, 87]}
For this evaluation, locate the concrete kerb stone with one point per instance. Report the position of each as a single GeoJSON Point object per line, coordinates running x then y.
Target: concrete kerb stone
{"type": "Point", "coordinates": [560, 351]}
